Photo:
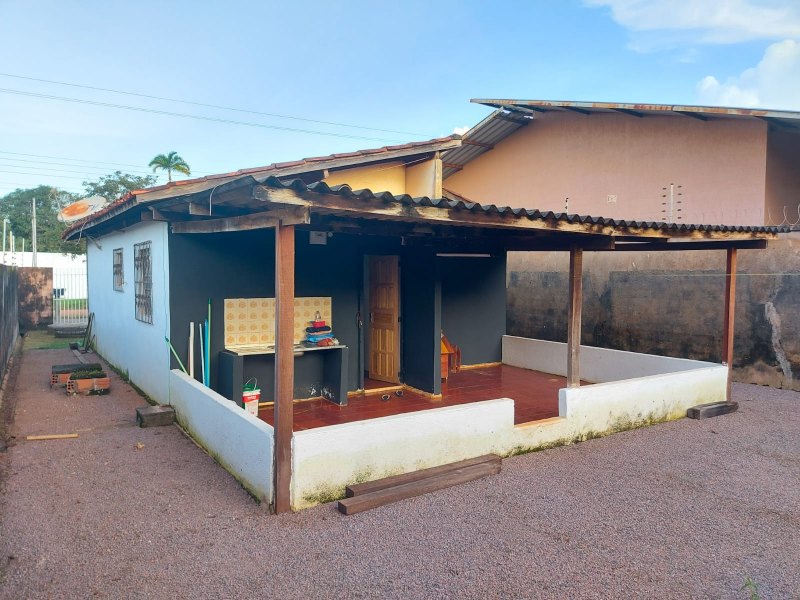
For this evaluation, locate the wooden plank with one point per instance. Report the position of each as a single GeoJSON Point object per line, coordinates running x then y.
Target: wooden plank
{"type": "Point", "coordinates": [574, 322]}
{"type": "Point", "coordinates": [728, 319]}
{"type": "Point", "coordinates": [712, 409]}
{"type": "Point", "coordinates": [388, 482]}
{"type": "Point", "coordinates": [59, 436]}
{"type": "Point", "coordinates": [437, 175]}
{"type": "Point", "coordinates": [195, 208]}
{"type": "Point", "coordinates": [363, 502]}
{"type": "Point", "coordinates": [284, 364]}
{"type": "Point", "coordinates": [262, 220]}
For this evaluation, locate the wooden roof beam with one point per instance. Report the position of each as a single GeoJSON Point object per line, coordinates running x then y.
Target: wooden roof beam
{"type": "Point", "coordinates": [262, 220]}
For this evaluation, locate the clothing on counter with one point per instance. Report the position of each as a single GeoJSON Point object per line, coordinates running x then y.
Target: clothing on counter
{"type": "Point", "coordinates": [324, 329]}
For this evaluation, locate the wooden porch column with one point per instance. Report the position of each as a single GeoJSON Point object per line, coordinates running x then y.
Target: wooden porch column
{"type": "Point", "coordinates": [284, 364]}
{"type": "Point", "coordinates": [730, 309]}
{"type": "Point", "coordinates": [574, 318]}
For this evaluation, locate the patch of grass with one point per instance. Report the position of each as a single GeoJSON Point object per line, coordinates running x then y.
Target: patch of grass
{"type": "Point", "coordinates": [70, 303]}
{"type": "Point", "coordinates": [41, 339]}
{"type": "Point", "coordinates": [751, 587]}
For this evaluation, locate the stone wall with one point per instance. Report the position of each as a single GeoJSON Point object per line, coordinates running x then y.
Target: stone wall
{"type": "Point", "coordinates": [670, 304]}
{"type": "Point", "coordinates": [35, 296]}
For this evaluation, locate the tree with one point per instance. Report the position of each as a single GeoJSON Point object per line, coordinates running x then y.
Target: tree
{"type": "Point", "coordinates": [117, 184]}
{"type": "Point", "coordinates": [16, 207]}
{"type": "Point", "coordinates": [169, 163]}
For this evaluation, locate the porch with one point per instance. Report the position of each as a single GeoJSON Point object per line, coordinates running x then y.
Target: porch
{"type": "Point", "coordinates": [535, 396]}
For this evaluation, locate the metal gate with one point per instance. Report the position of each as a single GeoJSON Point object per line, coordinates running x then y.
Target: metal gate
{"type": "Point", "coordinates": [70, 306]}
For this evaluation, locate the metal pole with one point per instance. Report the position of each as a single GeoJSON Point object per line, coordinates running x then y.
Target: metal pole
{"type": "Point", "coordinates": [5, 222]}
{"type": "Point", "coordinates": [33, 233]}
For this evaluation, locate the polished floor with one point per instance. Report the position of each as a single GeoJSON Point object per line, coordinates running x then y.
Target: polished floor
{"type": "Point", "coordinates": [535, 396]}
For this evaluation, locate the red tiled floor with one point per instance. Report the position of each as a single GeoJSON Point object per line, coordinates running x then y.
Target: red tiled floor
{"type": "Point", "coordinates": [535, 396]}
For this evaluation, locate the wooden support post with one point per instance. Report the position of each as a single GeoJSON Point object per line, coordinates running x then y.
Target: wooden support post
{"type": "Point", "coordinates": [284, 364]}
{"type": "Point", "coordinates": [574, 317]}
{"type": "Point", "coordinates": [728, 320]}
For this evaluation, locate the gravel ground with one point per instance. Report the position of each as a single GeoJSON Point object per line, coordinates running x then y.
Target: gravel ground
{"type": "Point", "coordinates": [680, 510]}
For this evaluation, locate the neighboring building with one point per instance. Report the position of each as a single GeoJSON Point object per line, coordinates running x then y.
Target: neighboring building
{"type": "Point", "coordinates": [683, 164]}
{"type": "Point", "coordinates": [261, 252]}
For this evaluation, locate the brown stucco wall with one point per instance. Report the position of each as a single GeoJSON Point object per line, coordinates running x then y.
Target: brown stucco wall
{"type": "Point", "coordinates": [35, 290]}
{"type": "Point", "coordinates": [670, 304]}
{"type": "Point", "coordinates": [783, 177]}
{"type": "Point", "coordinates": [720, 164]}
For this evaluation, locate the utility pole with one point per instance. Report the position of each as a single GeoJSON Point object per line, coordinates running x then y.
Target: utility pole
{"type": "Point", "coordinates": [33, 232]}
{"type": "Point", "coordinates": [5, 237]}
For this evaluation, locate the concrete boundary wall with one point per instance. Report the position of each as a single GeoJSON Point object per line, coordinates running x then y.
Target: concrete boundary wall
{"type": "Point", "coordinates": [598, 365]}
{"type": "Point", "coordinates": [670, 304]}
{"type": "Point", "coordinates": [240, 442]}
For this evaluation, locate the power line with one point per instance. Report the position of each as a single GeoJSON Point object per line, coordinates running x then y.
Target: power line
{"type": "Point", "coordinates": [36, 164]}
{"type": "Point", "coordinates": [37, 169]}
{"type": "Point", "coordinates": [240, 110]}
{"type": "Point", "coordinates": [189, 116]}
{"type": "Point", "coordinates": [97, 162]}
{"type": "Point", "coordinates": [43, 175]}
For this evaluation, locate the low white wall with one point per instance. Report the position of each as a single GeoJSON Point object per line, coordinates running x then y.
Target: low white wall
{"type": "Point", "coordinates": [327, 459]}
{"type": "Point", "coordinates": [598, 365]}
{"type": "Point", "coordinates": [240, 442]}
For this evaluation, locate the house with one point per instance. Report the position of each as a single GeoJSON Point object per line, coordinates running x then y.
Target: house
{"type": "Point", "coordinates": [262, 253]}
{"type": "Point", "coordinates": [681, 164]}
{"type": "Point", "coordinates": [677, 164]}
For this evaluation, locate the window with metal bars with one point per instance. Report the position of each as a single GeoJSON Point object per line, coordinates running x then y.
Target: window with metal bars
{"type": "Point", "coordinates": [118, 273]}
{"type": "Point", "coordinates": [143, 281]}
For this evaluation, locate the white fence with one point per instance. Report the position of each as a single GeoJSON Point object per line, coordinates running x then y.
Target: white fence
{"type": "Point", "coordinates": [70, 296]}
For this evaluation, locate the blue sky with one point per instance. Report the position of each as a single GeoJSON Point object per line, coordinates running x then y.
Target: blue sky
{"type": "Point", "coordinates": [410, 67]}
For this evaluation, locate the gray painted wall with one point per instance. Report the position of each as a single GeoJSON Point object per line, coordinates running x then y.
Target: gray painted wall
{"type": "Point", "coordinates": [474, 306]}
{"type": "Point", "coordinates": [232, 265]}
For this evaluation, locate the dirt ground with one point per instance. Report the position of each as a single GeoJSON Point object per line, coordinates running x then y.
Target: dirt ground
{"type": "Point", "coordinates": [688, 509]}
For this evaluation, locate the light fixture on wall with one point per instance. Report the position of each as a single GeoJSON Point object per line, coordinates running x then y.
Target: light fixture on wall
{"type": "Point", "coordinates": [455, 255]}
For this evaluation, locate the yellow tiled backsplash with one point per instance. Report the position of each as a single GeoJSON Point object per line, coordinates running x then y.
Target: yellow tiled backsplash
{"type": "Point", "coordinates": [252, 320]}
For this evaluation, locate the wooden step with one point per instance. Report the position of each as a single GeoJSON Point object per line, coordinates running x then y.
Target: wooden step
{"type": "Point", "coordinates": [362, 502]}
{"type": "Point", "coordinates": [712, 409]}
{"type": "Point", "coordinates": [387, 482]}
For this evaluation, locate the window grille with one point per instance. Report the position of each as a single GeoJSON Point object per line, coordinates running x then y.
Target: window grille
{"type": "Point", "coordinates": [118, 273]}
{"type": "Point", "coordinates": [143, 281]}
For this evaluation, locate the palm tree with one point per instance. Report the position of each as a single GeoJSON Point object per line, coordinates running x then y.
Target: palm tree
{"type": "Point", "coordinates": [169, 163]}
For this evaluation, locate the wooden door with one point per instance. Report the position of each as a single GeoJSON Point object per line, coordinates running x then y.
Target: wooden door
{"type": "Point", "coordinates": [384, 321]}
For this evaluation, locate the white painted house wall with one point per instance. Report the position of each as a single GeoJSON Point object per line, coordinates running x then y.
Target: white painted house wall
{"type": "Point", "coordinates": [125, 342]}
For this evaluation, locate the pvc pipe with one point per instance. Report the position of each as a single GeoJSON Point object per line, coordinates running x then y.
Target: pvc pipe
{"type": "Point", "coordinates": [175, 354]}
{"type": "Point", "coordinates": [191, 349]}
{"type": "Point", "coordinates": [208, 354]}
{"type": "Point", "coordinates": [202, 355]}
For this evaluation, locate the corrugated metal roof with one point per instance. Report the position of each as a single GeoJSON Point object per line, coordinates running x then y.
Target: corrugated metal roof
{"type": "Point", "coordinates": [504, 212]}
{"type": "Point", "coordinates": [481, 138]}
{"type": "Point", "coordinates": [591, 107]}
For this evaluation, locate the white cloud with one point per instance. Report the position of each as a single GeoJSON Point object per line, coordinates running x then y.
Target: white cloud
{"type": "Point", "coordinates": [704, 21]}
{"type": "Point", "coordinates": [773, 83]}
{"type": "Point", "coordinates": [461, 130]}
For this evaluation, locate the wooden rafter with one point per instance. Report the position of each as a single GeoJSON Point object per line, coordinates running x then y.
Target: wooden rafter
{"type": "Point", "coordinates": [262, 220]}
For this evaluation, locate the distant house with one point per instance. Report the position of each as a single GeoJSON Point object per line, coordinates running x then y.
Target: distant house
{"type": "Point", "coordinates": [682, 164]}
{"type": "Point", "coordinates": [274, 256]}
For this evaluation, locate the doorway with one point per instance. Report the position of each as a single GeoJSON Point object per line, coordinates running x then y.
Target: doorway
{"type": "Point", "coordinates": [384, 319]}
